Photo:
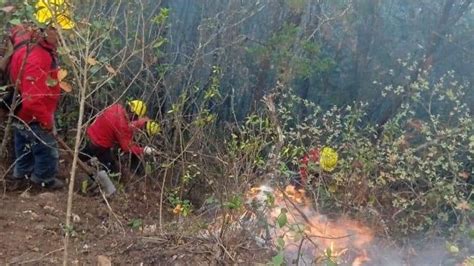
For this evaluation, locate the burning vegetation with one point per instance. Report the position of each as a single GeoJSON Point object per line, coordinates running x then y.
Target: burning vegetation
{"type": "Point", "coordinates": [302, 235]}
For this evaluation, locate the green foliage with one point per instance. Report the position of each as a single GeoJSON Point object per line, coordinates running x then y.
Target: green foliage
{"type": "Point", "coordinates": [84, 186]}
{"type": "Point", "coordinates": [282, 220]}
{"type": "Point", "coordinates": [69, 230]}
{"type": "Point", "coordinates": [162, 17]}
{"type": "Point", "coordinates": [293, 55]}
{"type": "Point", "coordinates": [278, 259]}
{"type": "Point", "coordinates": [415, 172]}
{"type": "Point", "coordinates": [451, 248]}
{"type": "Point", "coordinates": [248, 145]}
{"type": "Point", "coordinates": [135, 223]}
{"type": "Point", "coordinates": [180, 206]}
{"type": "Point", "coordinates": [329, 258]}
{"type": "Point", "coordinates": [235, 203]}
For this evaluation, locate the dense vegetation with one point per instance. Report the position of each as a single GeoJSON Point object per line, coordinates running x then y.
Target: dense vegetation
{"type": "Point", "coordinates": [388, 84]}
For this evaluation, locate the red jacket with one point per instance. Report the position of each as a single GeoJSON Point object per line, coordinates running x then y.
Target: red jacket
{"type": "Point", "coordinates": [311, 157]}
{"type": "Point", "coordinates": [139, 123]}
{"type": "Point", "coordinates": [38, 84]}
{"type": "Point", "coordinates": [113, 127]}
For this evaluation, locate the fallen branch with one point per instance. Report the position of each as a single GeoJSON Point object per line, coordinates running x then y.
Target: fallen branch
{"type": "Point", "coordinates": [40, 258]}
{"type": "Point", "coordinates": [224, 249]}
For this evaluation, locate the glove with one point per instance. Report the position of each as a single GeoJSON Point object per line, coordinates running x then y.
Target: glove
{"type": "Point", "coordinates": [149, 150]}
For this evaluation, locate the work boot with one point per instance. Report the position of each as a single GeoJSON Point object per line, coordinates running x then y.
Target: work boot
{"type": "Point", "coordinates": [53, 184]}
{"type": "Point", "coordinates": [16, 184]}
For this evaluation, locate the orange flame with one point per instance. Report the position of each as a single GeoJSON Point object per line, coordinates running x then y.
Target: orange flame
{"type": "Point", "coordinates": [310, 236]}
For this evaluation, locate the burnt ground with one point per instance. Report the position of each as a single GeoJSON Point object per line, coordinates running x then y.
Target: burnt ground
{"type": "Point", "coordinates": [31, 232]}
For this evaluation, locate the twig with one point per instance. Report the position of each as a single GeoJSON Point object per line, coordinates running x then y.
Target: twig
{"type": "Point", "coordinates": [327, 20]}
{"type": "Point", "coordinates": [7, 171]}
{"type": "Point", "coordinates": [40, 258]}
{"type": "Point", "coordinates": [330, 237]}
{"type": "Point", "coordinates": [110, 209]}
{"type": "Point", "coordinates": [160, 220]}
{"type": "Point", "coordinates": [298, 255]}
{"type": "Point", "coordinates": [225, 250]}
{"type": "Point", "coordinates": [296, 207]}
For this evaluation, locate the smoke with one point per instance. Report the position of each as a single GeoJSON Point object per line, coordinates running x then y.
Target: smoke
{"type": "Point", "coordinates": [312, 238]}
{"type": "Point", "coordinates": [424, 252]}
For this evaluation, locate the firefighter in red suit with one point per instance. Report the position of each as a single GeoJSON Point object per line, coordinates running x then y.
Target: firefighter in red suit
{"type": "Point", "coordinates": [116, 125]}
{"type": "Point", "coordinates": [33, 69]}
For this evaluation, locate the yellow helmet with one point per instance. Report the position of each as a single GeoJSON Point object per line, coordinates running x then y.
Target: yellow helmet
{"type": "Point", "coordinates": [137, 107]}
{"type": "Point", "coordinates": [152, 128]}
{"type": "Point", "coordinates": [47, 9]}
{"type": "Point", "coordinates": [328, 159]}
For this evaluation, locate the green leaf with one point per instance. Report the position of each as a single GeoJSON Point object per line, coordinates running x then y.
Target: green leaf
{"type": "Point", "coordinates": [84, 185]}
{"type": "Point", "coordinates": [329, 252]}
{"type": "Point", "coordinates": [161, 18]}
{"type": "Point", "coordinates": [94, 69]}
{"type": "Point", "coordinates": [282, 220]}
{"type": "Point", "coordinates": [51, 82]}
{"type": "Point", "coordinates": [471, 233]}
{"type": "Point", "coordinates": [135, 223]}
{"type": "Point", "coordinates": [281, 243]}
{"type": "Point", "coordinates": [148, 168]}
{"type": "Point", "coordinates": [159, 43]}
{"type": "Point", "coordinates": [450, 95]}
{"type": "Point", "coordinates": [234, 203]}
{"type": "Point", "coordinates": [3, 88]}
{"type": "Point", "coordinates": [278, 259]}
{"type": "Point", "coordinates": [15, 21]}
{"type": "Point", "coordinates": [270, 199]}
{"type": "Point", "coordinates": [453, 249]}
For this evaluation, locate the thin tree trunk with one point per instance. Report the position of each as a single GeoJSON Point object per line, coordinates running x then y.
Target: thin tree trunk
{"type": "Point", "coordinates": [75, 160]}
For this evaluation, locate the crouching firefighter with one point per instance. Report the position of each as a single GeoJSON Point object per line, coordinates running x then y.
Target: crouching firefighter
{"type": "Point", "coordinates": [116, 125]}
{"type": "Point", "coordinates": [314, 163]}
{"type": "Point", "coordinates": [33, 69]}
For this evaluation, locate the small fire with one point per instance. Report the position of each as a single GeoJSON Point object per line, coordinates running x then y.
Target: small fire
{"type": "Point", "coordinates": [309, 236]}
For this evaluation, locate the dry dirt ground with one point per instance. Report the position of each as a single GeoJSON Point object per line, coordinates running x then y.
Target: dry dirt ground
{"type": "Point", "coordinates": [31, 232]}
{"type": "Point", "coordinates": [31, 229]}
{"type": "Point", "coordinates": [126, 231]}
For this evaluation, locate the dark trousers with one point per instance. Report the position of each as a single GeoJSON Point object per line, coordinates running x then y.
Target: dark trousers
{"type": "Point", "coordinates": [104, 155]}
{"type": "Point", "coordinates": [36, 151]}
{"type": "Point", "coordinates": [136, 165]}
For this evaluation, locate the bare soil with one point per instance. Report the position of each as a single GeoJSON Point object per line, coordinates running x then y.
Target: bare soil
{"type": "Point", "coordinates": [32, 232]}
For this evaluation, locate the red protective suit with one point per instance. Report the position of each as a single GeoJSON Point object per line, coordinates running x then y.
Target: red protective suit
{"type": "Point", "coordinates": [139, 123]}
{"type": "Point", "coordinates": [113, 127]}
{"type": "Point", "coordinates": [38, 84]}
{"type": "Point", "coordinates": [311, 157]}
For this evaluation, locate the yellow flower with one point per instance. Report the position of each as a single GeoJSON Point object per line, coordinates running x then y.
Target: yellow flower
{"type": "Point", "coordinates": [328, 159]}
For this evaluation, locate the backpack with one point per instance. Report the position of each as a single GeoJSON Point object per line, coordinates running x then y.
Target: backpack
{"type": "Point", "coordinates": [20, 35]}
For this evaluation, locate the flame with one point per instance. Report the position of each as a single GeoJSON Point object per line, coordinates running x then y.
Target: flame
{"type": "Point", "coordinates": [364, 257]}
{"type": "Point", "coordinates": [309, 236]}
